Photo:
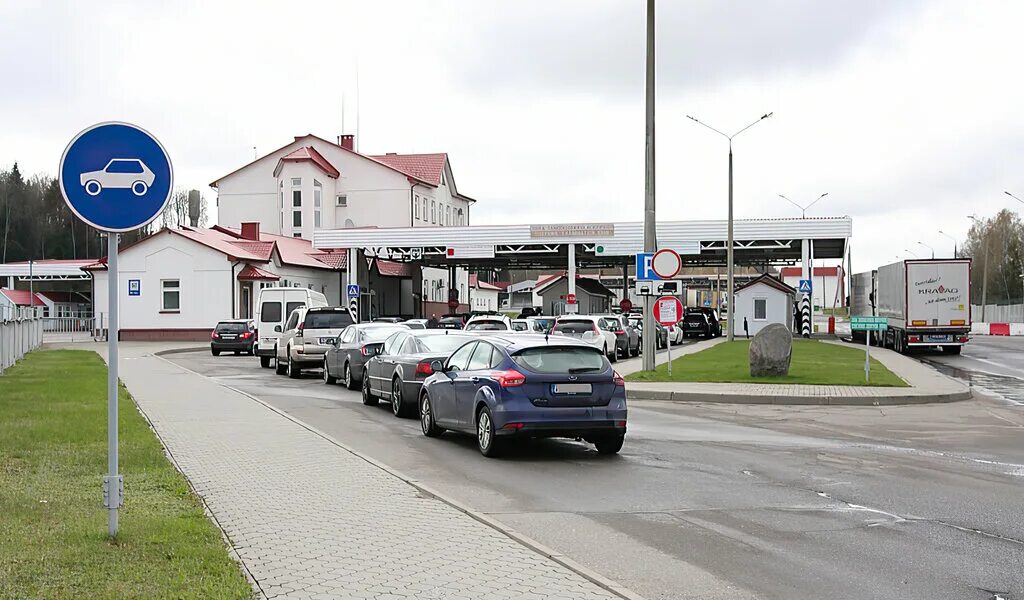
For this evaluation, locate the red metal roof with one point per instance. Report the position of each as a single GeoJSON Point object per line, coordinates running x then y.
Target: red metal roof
{"type": "Point", "coordinates": [474, 282]}
{"type": "Point", "coordinates": [426, 167]}
{"type": "Point", "coordinates": [308, 153]}
{"type": "Point", "coordinates": [818, 271]}
{"type": "Point", "coordinates": [261, 249]}
{"type": "Point", "coordinates": [63, 297]}
{"type": "Point", "coordinates": [22, 297]}
{"type": "Point", "coordinates": [388, 268]}
{"type": "Point", "coordinates": [336, 259]}
{"type": "Point", "coordinates": [251, 273]}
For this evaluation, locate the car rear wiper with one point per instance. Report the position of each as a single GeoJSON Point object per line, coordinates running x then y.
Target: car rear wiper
{"type": "Point", "coordinates": [584, 369]}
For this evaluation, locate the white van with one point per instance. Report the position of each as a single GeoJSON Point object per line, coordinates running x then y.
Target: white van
{"type": "Point", "coordinates": [272, 310]}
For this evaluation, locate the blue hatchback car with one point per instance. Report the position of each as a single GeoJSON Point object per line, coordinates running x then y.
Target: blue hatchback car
{"type": "Point", "coordinates": [503, 386]}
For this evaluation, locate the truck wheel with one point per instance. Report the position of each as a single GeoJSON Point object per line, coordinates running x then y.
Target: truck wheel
{"type": "Point", "coordinates": [265, 362]}
{"type": "Point", "coordinates": [953, 349]}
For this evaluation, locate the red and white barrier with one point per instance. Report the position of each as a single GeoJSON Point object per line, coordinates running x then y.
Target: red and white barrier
{"type": "Point", "coordinates": [997, 328]}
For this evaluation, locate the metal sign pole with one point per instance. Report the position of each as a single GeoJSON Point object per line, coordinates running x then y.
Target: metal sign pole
{"type": "Point", "coordinates": [867, 355]}
{"type": "Point", "coordinates": [668, 347]}
{"type": "Point", "coordinates": [113, 483]}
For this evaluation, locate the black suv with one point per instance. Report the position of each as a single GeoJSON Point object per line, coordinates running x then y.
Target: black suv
{"type": "Point", "coordinates": [701, 322]}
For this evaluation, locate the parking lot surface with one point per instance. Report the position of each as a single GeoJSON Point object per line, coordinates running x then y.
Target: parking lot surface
{"type": "Point", "coordinates": [725, 501]}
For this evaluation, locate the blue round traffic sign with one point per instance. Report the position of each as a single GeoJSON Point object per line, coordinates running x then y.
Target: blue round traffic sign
{"type": "Point", "coordinates": [116, 176]}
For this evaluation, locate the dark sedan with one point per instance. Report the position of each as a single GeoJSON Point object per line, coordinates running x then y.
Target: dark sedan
{"type": "Point", "coordinates": [397, 373]}
{"type": "Point", "coordinates": [346, 358]}
{"type": "Point", "coordinates": [235, 335]}
{"type": "Point", "coordinates": [500, 387]}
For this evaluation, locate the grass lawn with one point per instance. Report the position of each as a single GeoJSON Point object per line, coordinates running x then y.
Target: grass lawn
{"type": "Point", "coordinates": [813, 362]}
{"type": "Point", "coordinates": [53, 527]}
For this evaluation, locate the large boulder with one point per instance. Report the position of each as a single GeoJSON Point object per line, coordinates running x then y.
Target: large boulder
{"type": "Point", "coordinates": [770, 351]}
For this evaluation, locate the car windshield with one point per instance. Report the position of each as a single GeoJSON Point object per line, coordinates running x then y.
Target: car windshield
{"type": "Point", "coordinates": [695, 318]}
{"type": "Point", "coordinates": [541, 325]}
{"type": "Point", "coordinates": [232, 327]}
{"type": "Point", "coordinates": [377, 334]}
{"type": "Point", "coordinates": [327, 319]}
{"type": "Point", "coordinates": [561, 359]}
{"type": "Point", "coordinates": [443, 344]}
{"type": "Point", "coordinates": [573, 327]}
{"type": "Point", "coordinates": [487, 326]}
{"type": "Point", "coordinates": [520, 326]}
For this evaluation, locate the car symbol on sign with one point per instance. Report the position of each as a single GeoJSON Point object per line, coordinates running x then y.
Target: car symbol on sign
{"type": "Point", "coordinates": [123, 173]}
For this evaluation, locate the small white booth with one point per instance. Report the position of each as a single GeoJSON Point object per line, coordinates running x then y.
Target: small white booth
{"type": "Point", "coordinates": [762, 301]}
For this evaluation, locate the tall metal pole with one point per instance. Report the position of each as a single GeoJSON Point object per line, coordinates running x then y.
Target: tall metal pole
{"type": "Point", "coordinates": [728, 256]}
{"type": "Point", "coordinates": [650, 232]}
{"type": "Point", "coordinates": [112, 484]}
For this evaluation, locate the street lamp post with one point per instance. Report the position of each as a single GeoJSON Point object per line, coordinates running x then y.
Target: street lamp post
{"type": "Point", "coordinates": [803, 209]}
{"type": "Point", "coordinates": [910, 252]}
{"type": "Point", "coordinates": [729, 248]}
{"type": "Point", "coordinates": [928, 247]}
{"type": "Point", "coordinates": [954, 242]}
{"type": "Point", "coordinates": [650, 228]}
{"type": "Point", "coordinates": [1014, 197]}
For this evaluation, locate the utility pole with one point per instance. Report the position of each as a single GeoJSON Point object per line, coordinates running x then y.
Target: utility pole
{"type": "Point", "coordinates": [650, 229]}
{"type": "Point", "coordinates": [984, 267]}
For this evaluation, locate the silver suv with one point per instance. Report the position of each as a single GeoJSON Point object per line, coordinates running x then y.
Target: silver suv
{"type": "Point", "coordinates": [307, 335]}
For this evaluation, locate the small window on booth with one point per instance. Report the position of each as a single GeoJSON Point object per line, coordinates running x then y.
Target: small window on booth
{"type": "Point", "coordinates": [760, 309]}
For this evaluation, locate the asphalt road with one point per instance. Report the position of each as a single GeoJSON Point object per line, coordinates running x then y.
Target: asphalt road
{"type": "Point", "coordinates": [720, 501]}
{"type": "Point", "coordinates": [993, 364]}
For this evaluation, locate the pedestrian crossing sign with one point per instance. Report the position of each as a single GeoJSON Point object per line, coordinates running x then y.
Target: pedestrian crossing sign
{"type": "Point", "coordinates": [805, 286]}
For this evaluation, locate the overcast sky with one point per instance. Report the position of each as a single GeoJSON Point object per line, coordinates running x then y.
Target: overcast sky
{"type": "Point", "coordinates": [908, 113]}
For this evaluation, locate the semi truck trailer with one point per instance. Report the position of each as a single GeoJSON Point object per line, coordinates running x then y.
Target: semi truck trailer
{"type": "Point", "coordinates": [926, 302]}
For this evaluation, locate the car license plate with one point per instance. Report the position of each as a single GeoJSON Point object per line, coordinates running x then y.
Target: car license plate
{"type": "Point", "coordinates": [938, 338]}
{"type": "Point", "coordinates": [228, 337]}
{"type": "Point", "coordinates": [326, 341]}
{"type": "Point", "coordinates": [572, 388]}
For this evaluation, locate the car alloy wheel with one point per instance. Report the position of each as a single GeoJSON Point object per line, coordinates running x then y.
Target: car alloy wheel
{"type": "Point", "coordinates": [396, 398]}
{"type": "Point", "coordinates": [430, 429]}
{"type": "Point", "coordinates": [485, 438]}
{"type": "Point", "coordinates": [293, 370]}
{"type": "Point", "coordinates": [368, 398]}
{"type": "Point", "coordinates": [328, 378]}
{"type": "Point", "coordinates": [346, 378]}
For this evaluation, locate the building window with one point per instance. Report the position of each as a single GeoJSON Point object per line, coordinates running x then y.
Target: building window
{"type": "Point", "coordinates": [296, 218]}
{"type": "Point", "coordinates": [462, 217]}
{"type": "Point", "coordinates": [297, 234]}
{"type": "Point", "coordinates": [170, 295]}
{"type": "Point", "coordinates": [341, 200]}
{"type": "Point", "coordinates": [425, 216]}
{"type": "Point", "coordinates": [448, 215]}
{"type": "Point", "coordinates": [296, 197]}
{"type": "Point", "coordinates": [317, 197]}
{"type": "Point", "coordinates": [296, 182]}
{"type": "Point", "coordinates": [433, 212]}
{"type": "Point", "coordinates": [760, 309]}
{"type": "Point", "coordinates": [416, 207]}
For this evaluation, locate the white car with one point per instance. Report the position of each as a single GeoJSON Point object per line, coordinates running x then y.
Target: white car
{"type": "Point", "coordinates": [489, 323]}
{"type": "Point", "coordinates": [596, 331]}
{"type": "Point", "coordinates": [123, 173]}
{"type": "Point", "coordinates": [675, 335]}
{"type": "Point", "coordinates": [533, 324]}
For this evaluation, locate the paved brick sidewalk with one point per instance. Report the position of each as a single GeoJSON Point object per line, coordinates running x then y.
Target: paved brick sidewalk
{"type": "Point", "coordinates": [311, 520]}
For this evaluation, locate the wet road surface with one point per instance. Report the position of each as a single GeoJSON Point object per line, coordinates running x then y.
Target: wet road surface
{"type": "Point", "coordinates": [722, 501]}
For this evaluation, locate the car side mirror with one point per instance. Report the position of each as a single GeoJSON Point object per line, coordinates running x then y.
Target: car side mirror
{"type": "Point", "coordinates": [277, 329]}
{"type": "Point", "coordinates": [378, 350]}
{"type": "Point", "coordinates": [437, 366]}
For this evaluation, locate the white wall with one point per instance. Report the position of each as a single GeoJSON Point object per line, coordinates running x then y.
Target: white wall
{"type": "Point", "coordinates": [483, 299]}
{"type": "Point", "coordinates": [779, 308]}
{"type": "Point", "coordinates": [823, 288]}
{"type": "Point", "coordinates": [204, 276]}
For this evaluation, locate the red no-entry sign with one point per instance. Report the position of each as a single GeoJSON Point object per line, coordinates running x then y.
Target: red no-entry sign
{"type": "Point", "coordinates": [570, 298]}
{"type": "Point", "coordinates": [668, 310]}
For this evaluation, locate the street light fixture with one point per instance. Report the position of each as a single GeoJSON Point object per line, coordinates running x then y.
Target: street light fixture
{"type": "Point", "coordinates": [954, 242]}
{"type": "Point", "coordinates": [910, 252]}
{"type": "Point", "coordinates": [928, 247]}
{"type": "Point", "coordinates": [803, 209]}
{"type": "Point", "coordinates": [729, 248]}
{"type": "Point", "coordinates": [1014, 197]}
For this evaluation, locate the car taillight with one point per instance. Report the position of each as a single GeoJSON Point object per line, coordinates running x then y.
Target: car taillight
{"type": "Point", "coordinates": [618, 380]}
{"type": "Point", "coordinates": [366, 351]}
{"type": "Point", "coordinates": [246, 335]}
{"type": "Point", "coordinates": [510, 378]}
{"type": "Point", "coordinates": [301, 327]}
{"type": "Point", "coordinates": [620, 332]}
{"type": "Point", "coordinates": [963, 339]}
{"type": "Point", "coordinates": [513, 426]}
{"type": "Point", "coordinates": [913, 339]}
{"type": "Point", "coordinates": [593, 327]}
{"type": "Point", "coordinates": [424, 368]}
{"type": "Point", "coordinates": [214, 336]}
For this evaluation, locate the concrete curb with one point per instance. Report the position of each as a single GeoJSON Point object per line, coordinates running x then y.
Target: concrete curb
{"type": "Point", "coordinates": [733, 398]}
{"type": "Point", "coordinates": [181, 350]}
{"type": "Point", "coordinates": [557, 557]}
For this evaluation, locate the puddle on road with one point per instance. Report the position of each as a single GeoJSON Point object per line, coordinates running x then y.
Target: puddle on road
{"type": "Point", "coordinates": [1010, 389]}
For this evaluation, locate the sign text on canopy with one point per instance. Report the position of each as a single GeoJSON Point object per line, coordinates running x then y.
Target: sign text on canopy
{"type": "Point", "coordinates": [572, 230]}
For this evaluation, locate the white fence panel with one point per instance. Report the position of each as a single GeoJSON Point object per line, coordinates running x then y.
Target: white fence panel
{"type": "Point", "coordinates": [999, 313]}
{"type": "Point", "coordinates": [21, 331]}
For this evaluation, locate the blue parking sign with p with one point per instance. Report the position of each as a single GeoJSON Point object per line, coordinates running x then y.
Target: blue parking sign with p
{"type": "Point", "coordinates": [116, 176]}
{"type": "Point", "coordinates": [644, 270]}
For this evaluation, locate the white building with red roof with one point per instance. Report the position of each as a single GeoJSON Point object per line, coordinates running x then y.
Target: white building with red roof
{"type": "Point", "coordinates": [187, 279]}
{"type": "Point", "coordinates": [311, 183]}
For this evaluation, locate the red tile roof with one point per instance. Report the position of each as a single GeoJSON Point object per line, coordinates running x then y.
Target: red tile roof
{"type": "Point", "coordinates": [261, 249]}
{"type": "Point", "coordinates": [388, 268]}
{"type": "Point", "coordinates": [251, 273]}
{"type": "Point", "coordinates": [336, 259]}
{"type": "Point", "coordinates": [425, 167]}
{"type": "Point", "coordinates": [22, 297]}
{"type": "Point", "coordinates": [308, 153]}
{"type": "Point", "coordinates": [818, 271]}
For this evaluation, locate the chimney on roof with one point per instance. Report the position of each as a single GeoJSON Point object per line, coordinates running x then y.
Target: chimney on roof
{"type": "Point", "coordinates": [251, 231]}
{"type": "Point", "coordinates": [347, 141]}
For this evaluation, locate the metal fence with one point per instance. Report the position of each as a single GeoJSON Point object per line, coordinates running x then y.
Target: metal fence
{"type": "Point", "coordinates": [70, 329]}
{"type": "Point", "coordinates": [21, 331]}
{"type": "Point", "coordinates": [998, 313]}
